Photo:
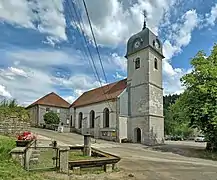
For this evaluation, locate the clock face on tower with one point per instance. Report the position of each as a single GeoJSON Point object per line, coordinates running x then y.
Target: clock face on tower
{"type": "Point", "coordinates": [137, 44]}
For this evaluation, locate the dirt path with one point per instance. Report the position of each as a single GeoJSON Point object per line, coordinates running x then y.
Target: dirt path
{"type": "Point", "coordinates": [141, 162]}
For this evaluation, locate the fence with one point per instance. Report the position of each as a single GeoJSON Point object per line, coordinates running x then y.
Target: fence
{"type": "Point", "coordinates": [38, 156]}
{"type": "Point", "coordinates": [41, 158]}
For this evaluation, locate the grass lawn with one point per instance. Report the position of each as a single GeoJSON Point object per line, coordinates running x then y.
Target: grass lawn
{"type": "Point", "coordinates": [78, 155]}
{"type": "Point", "coordinates": [11, 170]}
{"type": "Point", "coordinates": [45, 159]}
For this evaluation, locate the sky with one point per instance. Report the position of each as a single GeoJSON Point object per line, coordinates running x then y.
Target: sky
{"type": "Point", "coordinates": [42, 47]}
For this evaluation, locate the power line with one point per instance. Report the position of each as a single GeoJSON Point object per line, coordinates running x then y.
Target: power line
{"type": "Point", "coordinates": [94, 39]}
{"type": "Point", "coordinates": [78, 16]}
{"type": "Point", "coordinates": [83, 52]}
{"type": "Point", "coordinates": [86, 42]}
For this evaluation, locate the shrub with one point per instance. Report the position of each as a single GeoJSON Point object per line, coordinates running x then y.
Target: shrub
{"type": "Point", "coordinates": [51, 118]}
{"type": "Point", "coordinates": [9, 108]}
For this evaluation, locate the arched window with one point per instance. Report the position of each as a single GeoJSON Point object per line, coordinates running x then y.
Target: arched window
{"type": "Point", "coordinates": [137, 63]}
{"type": "Point", "coordinates": [106, 118]}
{"type": "Point", "coordinates": [155, 63]}
{"type": "Point", "coordinates": [80, 117]}
{"type": "Point", "coordinates": [71, 121]}
{"type": "Point", "coordinates": [92, 118]}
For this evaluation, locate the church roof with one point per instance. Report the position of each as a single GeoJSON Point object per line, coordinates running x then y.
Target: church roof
{"type": "Point", "coordinates": [104, 93]}
{"type": "Point", "coordinates": [51, 99]}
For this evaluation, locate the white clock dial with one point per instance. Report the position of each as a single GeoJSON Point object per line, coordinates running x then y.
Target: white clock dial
{"type": "Point", "coordinates": [137, 44]}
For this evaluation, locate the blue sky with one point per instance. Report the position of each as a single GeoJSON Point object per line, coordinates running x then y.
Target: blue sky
{"type": "Point", "coordinates": [42, 49]}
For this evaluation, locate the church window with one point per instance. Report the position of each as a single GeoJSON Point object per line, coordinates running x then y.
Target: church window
{"type": "Point", "coordinates": [71, 120]}
{"type": "Point", "coordinates": [80, 117]}
{"type": "Point", "coordinates": [137, 63]}
{"type": "Point", "coordinates": [92, 118]}
{"type": "Point", "coordinates": [155, 63]}
{"type": "Point", "coordinates": [106, 118]}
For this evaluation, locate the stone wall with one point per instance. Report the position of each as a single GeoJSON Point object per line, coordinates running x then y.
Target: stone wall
{"type": "Point", "coordinates": [13, 125]}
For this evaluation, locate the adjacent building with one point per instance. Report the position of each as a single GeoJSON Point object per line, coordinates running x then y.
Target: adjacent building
{"type": "Point", "coordinates": [50, 102]}
{"type": "Point", "coordinates": [131, 108]}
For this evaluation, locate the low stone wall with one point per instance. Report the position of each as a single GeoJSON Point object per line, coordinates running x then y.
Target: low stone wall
{"type": "Point", "coordinates": [13, 125]}
{"type": "Point", "coordinates": [22, 154]}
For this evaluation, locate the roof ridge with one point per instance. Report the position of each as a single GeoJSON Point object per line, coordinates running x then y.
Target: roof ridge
{"type": "Point", "coordinates": [104, 86]}
{"type": "Point", "coordinates": [46, 96]}
{"type": "Point", "coordinates": [100, 93]}
{"type": "Point", "coordinates": [60, 97]}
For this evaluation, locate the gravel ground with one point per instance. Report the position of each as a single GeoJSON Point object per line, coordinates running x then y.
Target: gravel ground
{"type": "Point", "coordinates": [142, 162]}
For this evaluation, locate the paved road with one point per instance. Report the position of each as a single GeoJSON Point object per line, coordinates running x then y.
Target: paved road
{"type": "Point", "coordinates": [143, 162]}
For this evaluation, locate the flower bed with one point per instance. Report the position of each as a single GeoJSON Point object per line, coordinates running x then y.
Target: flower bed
{"type": "Point", "coordinates": [25, 138]}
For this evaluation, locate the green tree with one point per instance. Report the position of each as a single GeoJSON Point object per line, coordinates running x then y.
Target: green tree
{"type": "Point", "coordinates": [169, 124]}
{"type": "Point", "coordinates": [201, 95]}
{"type": "Point", "coordinates": [177, 119]}
{"type": "Point", "coordinates": [51, 118]}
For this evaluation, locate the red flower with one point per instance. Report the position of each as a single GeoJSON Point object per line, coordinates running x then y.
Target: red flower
{"type": "Point", "coordinates": [26, 136]}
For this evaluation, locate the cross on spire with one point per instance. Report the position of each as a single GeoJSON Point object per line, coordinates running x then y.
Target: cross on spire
{"type": "Point", "coordinates": [145, 16]}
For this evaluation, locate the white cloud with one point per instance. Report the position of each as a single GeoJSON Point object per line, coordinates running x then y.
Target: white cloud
{"type": "Point", "coordinates": [79, 82]}
{"type": "Point", "coordinates": [26, 88]}
{"type": "Point", "coordinates": [191, 21]}
{"type": "Point", "coordinates": [4, 92]}
{"type": "Point", "coordinates": [120, 62]}
{"type": "Point", "coordinates": [70, 99]}
{"type": "Point", "coordinates": [16, 12]}
{"type": "Point", "coordinates": [169, 50]}
{"type": "Point", "coordinates": [180, 34]}
{"type": "Point", "coordinates": [48, 16]}
{"type": "Point", "coordinates": [119, 76]}
{"type": "Point", "coordinates": [114, 22]}
{"type": "Point", "coordinates": [45, 58]}
{"type": "Point", "coordinates": [51, 17]}
{"type": "Point", "coordinates": [18, 72]}
{"type": "Point", "coordinates": [212, 16]}
{"type": "Point", "coordinates": [181, 37]}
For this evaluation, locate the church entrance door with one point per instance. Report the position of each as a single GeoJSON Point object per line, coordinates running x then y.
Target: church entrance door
{"type": "Point", "coordinates": [138, 135]}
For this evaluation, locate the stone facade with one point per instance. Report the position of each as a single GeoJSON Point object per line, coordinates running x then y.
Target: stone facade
{"type": "Point", "coordinates": [98, 130]}
{"type": "Point", "coordinates": [13, 125]}
{"type": "Point", "coordinates": [118, 117]}
{"type": "Point", "coordinates": [145, 92]}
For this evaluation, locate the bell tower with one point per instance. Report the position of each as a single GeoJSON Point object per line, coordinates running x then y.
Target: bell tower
{"type": "Point", "coordinates": [144, 87]}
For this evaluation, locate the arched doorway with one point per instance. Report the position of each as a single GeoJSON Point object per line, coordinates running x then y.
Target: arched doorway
{"type": "Point", "coordinates": [137, 135]}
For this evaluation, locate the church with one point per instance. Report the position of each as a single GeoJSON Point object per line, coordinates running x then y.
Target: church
{"type": "Point", "coordinates": [129, 109]}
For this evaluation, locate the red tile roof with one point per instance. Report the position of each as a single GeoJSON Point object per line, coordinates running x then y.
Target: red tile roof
{"type": "Point", "coordinates": [51, 99]}
{"type": "Point", "coordinates": [104, 93]}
